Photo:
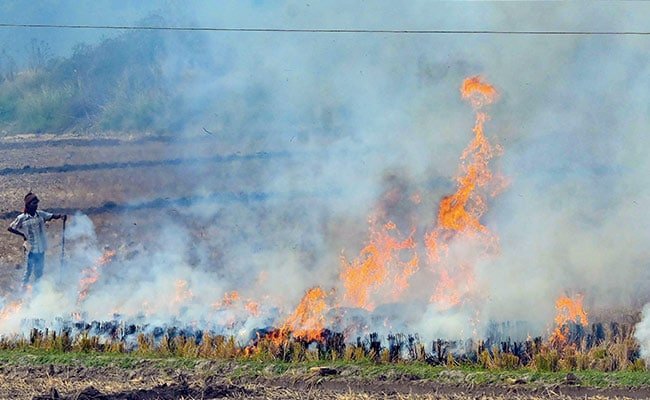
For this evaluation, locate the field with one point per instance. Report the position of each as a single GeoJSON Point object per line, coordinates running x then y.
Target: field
{"type": "Point", "coordinates": [93, 376]}
{"type": "Point", "coordinates": [103, 177]}
{"type": "Point", "coordinates": [136, 182]}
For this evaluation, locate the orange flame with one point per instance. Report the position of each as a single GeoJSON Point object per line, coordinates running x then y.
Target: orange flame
{"type": "Point", "coordinates": [378, 266]}
{"type": "Point", "coordinates": [229, 298]}
{"type": "Point", "coordinates": [450, 289]}
{"type": "Point", "coordinates": [252, 307]}
{"type": "Point", "coordinates": [568, 310]}
{"type": "Point", "coordinates": [90, 275]}
{"type": "Point", "coordinates": [308, 319]}
{"type": "Point", "coordinates": [462, 210]}
{"type": "Point", "coordinates": [233, 299]}
{"type": "Point", "coordinates": [477, 92]}
{"type": "Point", "coordinates": [10, 309]}
{"type": "Point", "coordinates": [459, 214]}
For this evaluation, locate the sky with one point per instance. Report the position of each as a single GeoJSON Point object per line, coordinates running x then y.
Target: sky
{"type": "Point", "coordinates": [418, 15]}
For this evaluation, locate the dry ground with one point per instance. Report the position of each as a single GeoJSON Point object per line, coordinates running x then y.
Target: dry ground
{"type": "Point", "coordinates": [103, 177]}
{"type": "Point", "coordinates": [214, 380]}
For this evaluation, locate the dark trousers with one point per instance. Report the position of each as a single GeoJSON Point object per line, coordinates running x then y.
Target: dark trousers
{"type": "Point", "coordinates": [35, 262]}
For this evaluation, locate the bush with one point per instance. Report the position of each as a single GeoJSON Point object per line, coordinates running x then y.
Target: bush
{"type": "Point", "coordinates": [45, 110]}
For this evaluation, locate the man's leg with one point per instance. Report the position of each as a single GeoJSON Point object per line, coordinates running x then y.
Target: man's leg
{"type": "Point", "coordinates": [39, 262]}
{"type": "Point", "coordinates": [28, 269]}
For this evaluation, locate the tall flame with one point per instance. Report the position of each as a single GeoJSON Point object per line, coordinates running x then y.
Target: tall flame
{"type": "Point", "coordinates": [459, 214]}
{"type": "Point", "coordinates": [461, 211]}
{"type": "Point", "coordinates": [380, 270]}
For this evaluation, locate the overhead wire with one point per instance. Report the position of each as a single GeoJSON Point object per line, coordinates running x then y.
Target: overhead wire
{"type": "Point", "coordinates": [331, 31]}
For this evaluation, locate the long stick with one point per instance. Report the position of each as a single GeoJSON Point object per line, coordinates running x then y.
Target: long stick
{"type": "Point", "coordinates": [62, 252]}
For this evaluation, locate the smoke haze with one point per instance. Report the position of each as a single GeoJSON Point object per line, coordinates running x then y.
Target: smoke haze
{"type": "Point", "coordinates": [353, 118]}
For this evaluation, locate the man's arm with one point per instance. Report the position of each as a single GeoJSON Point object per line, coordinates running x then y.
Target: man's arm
{"type": "Point", "coordinates": [49, 216]}
{"type": "Point", "coordinates": [16, 226]}
{"type": "Point", "coordinates": [12, 230]}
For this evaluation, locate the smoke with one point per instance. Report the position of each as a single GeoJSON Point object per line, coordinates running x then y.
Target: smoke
{"type": "Point", "coordinates": [360, 124]}
{"type": "Point", "coordinates": [642, 333]}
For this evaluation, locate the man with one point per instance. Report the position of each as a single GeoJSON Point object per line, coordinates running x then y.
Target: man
{"type": "Point", "coordinates": [31, 226]}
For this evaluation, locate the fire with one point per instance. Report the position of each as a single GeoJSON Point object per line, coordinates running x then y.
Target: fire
{"type": "Point", "coordinates": [308, 319]}
{"type": "Point", "coordinates": [568, 310]}
{"type": "Point", "coordinates": [378, 266]}
{"type": "Point", "coordinates": [389, 259]}
{"type": "Point", "coordinates": [252, 307]}
{"type": "Point", "coordinates": [477, 92]}
{"type": "Point", "coordinates": [233, 299]}
{"type": "Point", "coordinates": [229, 298]}
{"type": "Point", "coordinates": [380, 269]}
{"type": "Point", "coordinates": [90, 275]}
{"type": "Point", "coordinates": [10, 309]}
{"type": "Point", "coordinates": [448, 291]}
{"type": "Point", "coordinates": [461, 211]}
{"type": "Point", "coordinates": [459, 214]}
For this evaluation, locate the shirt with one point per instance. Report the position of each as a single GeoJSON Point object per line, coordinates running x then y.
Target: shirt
{"type": "Point", "coordinates": [33, 227]}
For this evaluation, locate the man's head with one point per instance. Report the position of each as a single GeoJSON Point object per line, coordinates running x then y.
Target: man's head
{"type": "Point", "coordinates": [31, 203]}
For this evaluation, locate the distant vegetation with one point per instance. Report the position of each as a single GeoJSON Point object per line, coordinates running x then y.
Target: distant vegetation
{"type": "Point", "coordinates": [157, 82]}
{"type": "Point", "coordinates": [114, 85]}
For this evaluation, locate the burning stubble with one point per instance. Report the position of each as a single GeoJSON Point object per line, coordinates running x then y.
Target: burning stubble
{"type": "Point", "coordinates": [381, 275]}
{"type": "Point", "coordinates": [401, 269]}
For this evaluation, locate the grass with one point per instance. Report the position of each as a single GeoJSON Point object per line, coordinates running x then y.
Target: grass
{"type": "Point", "coordinates": [32, 356]}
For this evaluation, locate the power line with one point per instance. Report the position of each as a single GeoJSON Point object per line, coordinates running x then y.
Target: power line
{"type": "Point", "coordinates": [369, 31]}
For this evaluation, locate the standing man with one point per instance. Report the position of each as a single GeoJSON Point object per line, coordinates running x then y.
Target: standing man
{"type": "Point", "coordinates": [31, 226]}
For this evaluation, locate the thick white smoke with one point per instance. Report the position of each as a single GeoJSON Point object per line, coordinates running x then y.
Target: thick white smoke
{"type": "Point", "coordinates": [336, 122]}
{"type": "Point", "coordinates": [642, 333]}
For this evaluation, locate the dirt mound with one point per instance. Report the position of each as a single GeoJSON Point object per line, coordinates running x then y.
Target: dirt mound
{"type": "Point", "coordinates": [160, 392]}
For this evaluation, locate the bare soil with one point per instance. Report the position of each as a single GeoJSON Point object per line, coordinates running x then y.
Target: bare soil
{"type": "Point", "coordinates": [117, 182]}
{"type": "Point", "coordinates": [214, 380]}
